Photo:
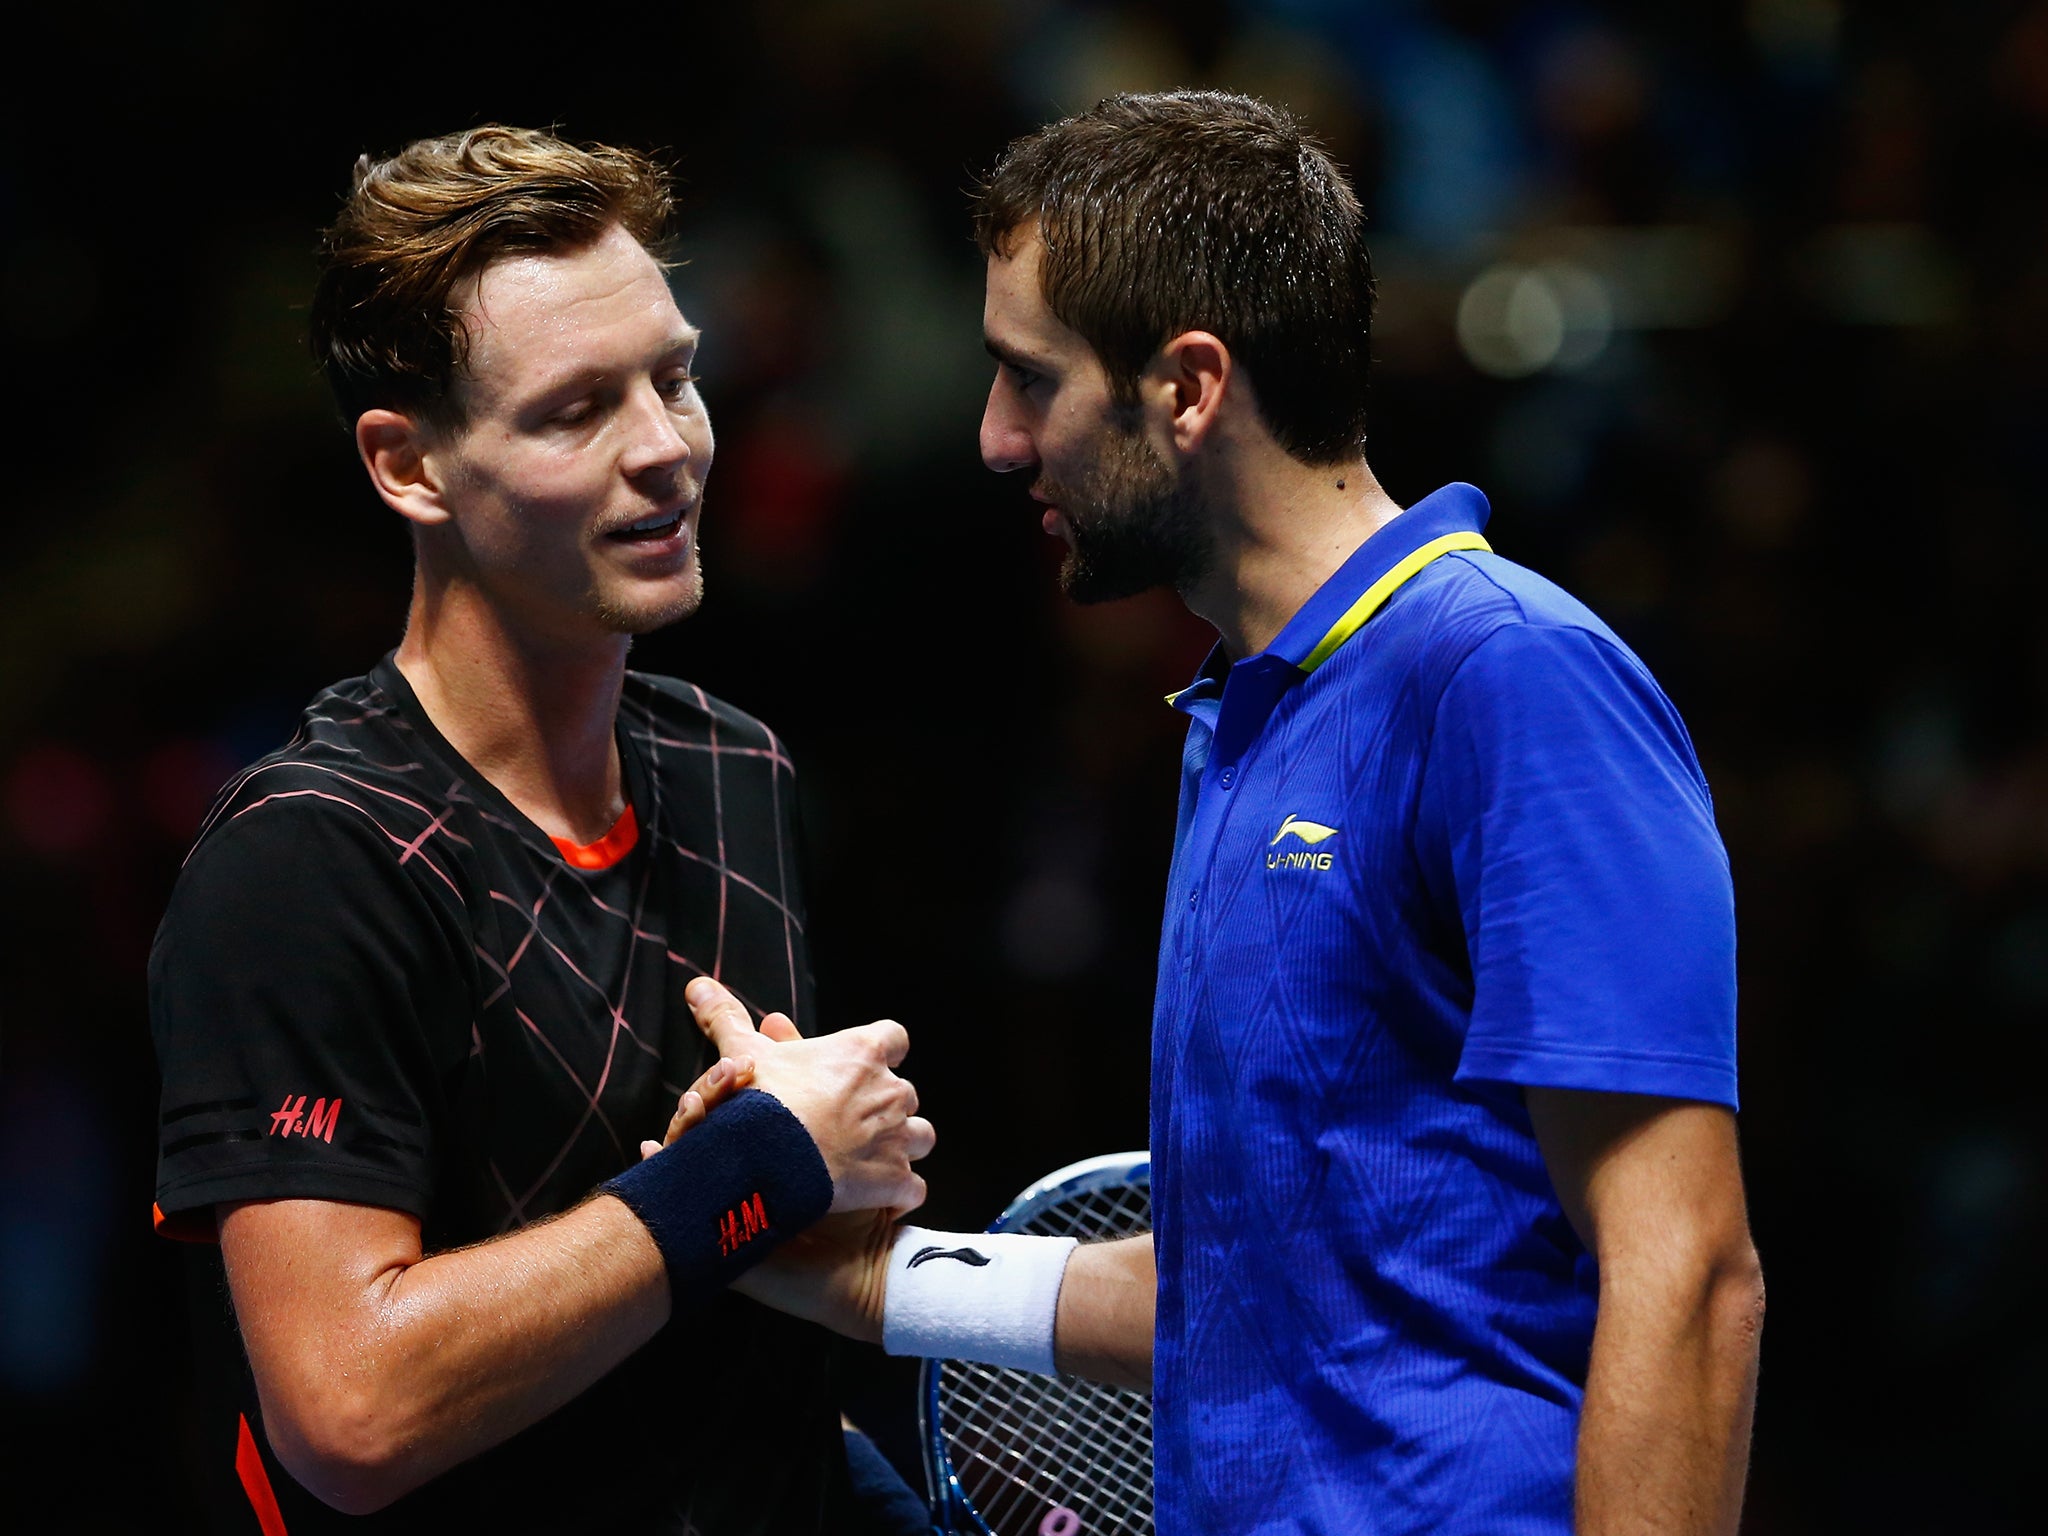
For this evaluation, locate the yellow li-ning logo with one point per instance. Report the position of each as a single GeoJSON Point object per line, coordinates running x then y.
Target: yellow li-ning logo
{"type": "Point", "coordinates": [1311, 833]}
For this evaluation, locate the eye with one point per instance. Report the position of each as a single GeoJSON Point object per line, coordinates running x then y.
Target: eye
{"type": "Point", "coordinates": [574, 415]}
{"type": "Point", "coordinates": [675, 386]}
{"type": "Point", "coordinates": [1021, 377]}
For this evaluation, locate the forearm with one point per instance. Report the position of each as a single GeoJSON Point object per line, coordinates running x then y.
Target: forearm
{"type": "Point", "coordinates": [1670, 1394]}
{"type": "Point", "coordinates": [427, 1361]}
{"type": "Point", "coordinates": [1103, 1329]}
{"type": "Point", "coordinates": [839, 1275]}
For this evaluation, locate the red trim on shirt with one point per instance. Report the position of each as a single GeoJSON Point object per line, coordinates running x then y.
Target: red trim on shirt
{"type": "Point", "coordinates": [256, 1481]}
{"type": "Point", "coordinates": [607, 850]}
{"type": "Point", "coordinates": [194, 1226]}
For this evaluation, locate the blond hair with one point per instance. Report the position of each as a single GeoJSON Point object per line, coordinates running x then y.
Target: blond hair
{"type": "Point", "coordinates": [385, 327]}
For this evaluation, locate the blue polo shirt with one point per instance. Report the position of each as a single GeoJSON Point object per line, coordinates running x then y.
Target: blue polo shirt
{"type": "Point", "coordinates": [1444, 840]}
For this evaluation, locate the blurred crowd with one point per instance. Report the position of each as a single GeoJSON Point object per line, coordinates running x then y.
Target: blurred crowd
{"type": "Point", "coordinates": [1737, 311]}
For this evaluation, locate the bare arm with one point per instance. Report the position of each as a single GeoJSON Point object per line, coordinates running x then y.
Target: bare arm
{"type": "Point", "coordinates": [380, 1368]}
{"type": "Point", "coordinates": [1104, 1326]}
{"type": "Point", "coordinates": [836, 1275]}
{"type": "Point", "coordinates": [1654, 1188]}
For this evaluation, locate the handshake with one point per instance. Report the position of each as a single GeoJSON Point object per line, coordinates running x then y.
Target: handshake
{"type": "Point", "coordinates": [843, 1088]}
{"type": "Point", "coordinates": [842, 1106]}
{"type": "Point", "coordinates": [831, 1137]}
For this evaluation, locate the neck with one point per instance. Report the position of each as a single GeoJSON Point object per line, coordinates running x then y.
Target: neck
{"type": "Point", "coordinates": [534, 716]}
{"type": "Point", "coordinates": [1282, 529]}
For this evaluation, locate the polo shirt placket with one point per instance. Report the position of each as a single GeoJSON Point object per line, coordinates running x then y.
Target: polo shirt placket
{"type": "Point", "coordinates": [1229, 703]}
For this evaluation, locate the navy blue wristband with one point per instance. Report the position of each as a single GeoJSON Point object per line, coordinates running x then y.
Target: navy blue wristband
{"type": "Point", "coordinates": [727, 1193]}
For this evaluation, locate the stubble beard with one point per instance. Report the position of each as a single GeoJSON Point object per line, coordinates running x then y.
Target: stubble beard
{"type": "Point", "coordinates": [1135, 525]}
{"type": "Point", "coordinates": [645, 619]}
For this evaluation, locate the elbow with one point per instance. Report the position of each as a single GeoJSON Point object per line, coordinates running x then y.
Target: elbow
{"type": "Point", "coordinates": [1736, 1297]}
{"type": "Point", "coordinates": [1702, 1295]}
{"type": "Point", "coordinates": [343, 1448]}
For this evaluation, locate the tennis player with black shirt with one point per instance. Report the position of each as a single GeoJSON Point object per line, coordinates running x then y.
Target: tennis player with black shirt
{"type": "Point", "coordinates": [419, 999]}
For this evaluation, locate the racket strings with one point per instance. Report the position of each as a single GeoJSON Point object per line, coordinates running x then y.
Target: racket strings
{"type": "Point", "coordinates": [1021, 1444]}
{"type": "Point", "coordinates": [1122, 1210]}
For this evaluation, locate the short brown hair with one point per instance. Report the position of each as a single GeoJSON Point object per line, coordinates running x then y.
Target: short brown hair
{"type": "Point", "coordinates": [1201, 210]}
{"type": "Point", "coordinates": [384, 328]}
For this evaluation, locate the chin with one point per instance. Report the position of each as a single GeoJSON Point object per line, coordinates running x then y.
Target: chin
{"type": "Point", "coordinates": [1086, 582]}
{"type": "Point", "coordinates": [644, 614]}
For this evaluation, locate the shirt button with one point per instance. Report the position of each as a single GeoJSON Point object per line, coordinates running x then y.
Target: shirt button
{"type": "Point", "coordinates": [1227, 776]}
{"type": "Point", "coordinates": [1193, 897]}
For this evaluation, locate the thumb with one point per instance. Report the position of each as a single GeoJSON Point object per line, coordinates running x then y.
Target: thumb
{"type": "Point", "coordinates": [778, 1026]}
{"type": "Point", "coordinates": [721, 1016]}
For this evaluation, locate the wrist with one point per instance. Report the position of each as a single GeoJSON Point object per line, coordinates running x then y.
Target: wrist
{"type": "Point", "coordinates": [725, 1195]}
{"type": "Point", "coordinates": [992, 1297]}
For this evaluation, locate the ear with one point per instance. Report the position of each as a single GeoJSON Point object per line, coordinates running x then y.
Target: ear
{"type": "Point", "coordinates": [395, 450]}
{"type": "Point", "coordinates": [1189, 379]}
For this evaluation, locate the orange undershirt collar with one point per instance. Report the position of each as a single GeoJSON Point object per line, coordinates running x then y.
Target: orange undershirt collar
{"type": "Point", "coordinates": [607, 850]}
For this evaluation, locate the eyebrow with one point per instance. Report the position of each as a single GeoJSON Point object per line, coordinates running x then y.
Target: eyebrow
{"type": "Point", "coordinates": [685, 340]}
{"type": "Point", "coordinates": [1010, 357]}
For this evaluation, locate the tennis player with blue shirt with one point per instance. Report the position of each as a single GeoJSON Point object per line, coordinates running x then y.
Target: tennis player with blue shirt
{"type": "Point", "coordinates": [1450, 1231]}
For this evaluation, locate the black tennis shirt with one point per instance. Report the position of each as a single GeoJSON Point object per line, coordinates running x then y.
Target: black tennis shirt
{"type": "Point", "coordinates": [379, 982]}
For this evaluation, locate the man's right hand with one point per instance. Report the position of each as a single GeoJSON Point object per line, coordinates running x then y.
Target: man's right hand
{"type": "Point", "coordinates": [841, 1087]}
{"type": "Point", "coordinates": [835, 1274]}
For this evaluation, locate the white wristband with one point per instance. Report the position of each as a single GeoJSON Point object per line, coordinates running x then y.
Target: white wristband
{"type": "Point", "coordinates": [986, 1296]}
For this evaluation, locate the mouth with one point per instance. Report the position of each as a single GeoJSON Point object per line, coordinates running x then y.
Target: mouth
{"type": "Point", "coordinates": [651, 529]}
{"type": "Point", "coordinates": [1049, 516]}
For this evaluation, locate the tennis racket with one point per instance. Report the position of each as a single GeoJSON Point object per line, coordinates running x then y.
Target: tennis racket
{"type": "Point", "coordinates": [1013, 1453]}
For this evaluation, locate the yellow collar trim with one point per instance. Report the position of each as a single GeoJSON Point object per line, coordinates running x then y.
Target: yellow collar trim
{"type": "Point", "coordinates": [1374, 596]}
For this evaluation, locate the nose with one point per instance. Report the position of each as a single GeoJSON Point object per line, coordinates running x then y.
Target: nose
{"type": "Point", "coordinates": [658, 443]}
{"type": "Point", "coordinates": [1005, 441]}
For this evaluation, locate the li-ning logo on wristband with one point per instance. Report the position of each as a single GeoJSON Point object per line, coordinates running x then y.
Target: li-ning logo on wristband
{"type": "Point", "coordinates": [965, 1255]}
{"type": "Point", "coordinates": [741, 1225]}
{"type": "Point", "coordinates": [292, 1119]}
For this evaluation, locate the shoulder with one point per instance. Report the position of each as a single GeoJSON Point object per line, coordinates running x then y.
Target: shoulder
{"type": "Point", "coordinates": [299, 852]}
{"type": "Point", "coordinates": [1474, 615]}
{"type": "Point", "coordinates": [672, 711]}
{"type": "Point", "coordinates": [351, 791]}
{"type": "Point", "coordinates": [1537, 627]}
{"type": "Point", "coordinates": [1530, 682]}
{"type": "Point", "coordinates": [1471, 594]}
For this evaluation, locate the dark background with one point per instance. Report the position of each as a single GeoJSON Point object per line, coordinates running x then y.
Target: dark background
{"type": "Point", "coordinates": [1737, 312]}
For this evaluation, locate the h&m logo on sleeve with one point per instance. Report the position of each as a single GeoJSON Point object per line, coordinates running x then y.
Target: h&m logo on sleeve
{"type": "Point", "coordinates": [741, 1225]}
{"type": "Point", "coordinates": [293, 1118]}
{"type": "Point", "coordinates": [1307, 857]}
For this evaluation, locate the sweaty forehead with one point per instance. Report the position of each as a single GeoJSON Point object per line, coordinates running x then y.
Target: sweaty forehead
{"type": "Point", "coordinates": [541, 313]}
{"type": "Point", "coordinates": [1014, 291]}
{"type": "Point", "coordinates": [1015, 316]}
